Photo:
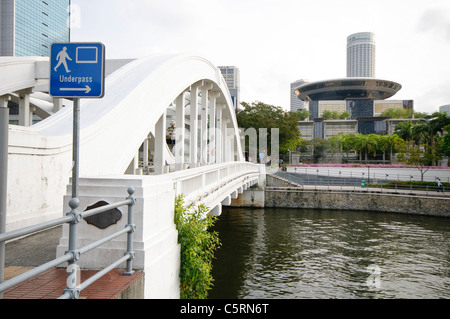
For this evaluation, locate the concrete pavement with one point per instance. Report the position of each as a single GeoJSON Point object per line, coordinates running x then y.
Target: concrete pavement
{"type": "Point", "coordinates": [34, 250]}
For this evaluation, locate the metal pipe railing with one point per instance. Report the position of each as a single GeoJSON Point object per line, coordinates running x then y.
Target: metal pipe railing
{"type": "Point", "coordinates": [320, 182]}
{"type": "Point", "coordinates": [73, 254]}
{"type": "Point", "coordinates": [364, 172]}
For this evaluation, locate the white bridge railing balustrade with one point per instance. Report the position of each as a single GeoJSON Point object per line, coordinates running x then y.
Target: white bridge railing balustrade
{"type": "Point", "coordinates": [212, 184]}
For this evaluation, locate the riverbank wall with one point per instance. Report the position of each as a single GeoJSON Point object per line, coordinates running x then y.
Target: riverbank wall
{"type": "Point", "coordinates": [282, 193]}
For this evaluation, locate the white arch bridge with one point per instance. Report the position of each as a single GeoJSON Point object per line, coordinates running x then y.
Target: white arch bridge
{"type": "Point", "coordinates": [165, 127]}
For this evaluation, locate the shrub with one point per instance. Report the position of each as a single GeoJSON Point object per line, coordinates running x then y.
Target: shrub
{"type": "Point", "coordinates": [403, 184]}
{"type": "Point", "coordinates": [198, 245]}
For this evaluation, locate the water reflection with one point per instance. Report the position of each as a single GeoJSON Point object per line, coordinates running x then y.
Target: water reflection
{"type": "Point", "coordinates": [282, 253]}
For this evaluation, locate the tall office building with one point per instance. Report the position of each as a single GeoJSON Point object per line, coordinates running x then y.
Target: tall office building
{"type": "Point", "coordinates": [445, 108]}
{"type": "Point", "coordinates": [232, 76]}
{"type": "Point", "coordinates": [29, 27]}
{"type": "Point", "coordinates": [296, 103]}
{"type": "Point", "coordinates": [361, 55]}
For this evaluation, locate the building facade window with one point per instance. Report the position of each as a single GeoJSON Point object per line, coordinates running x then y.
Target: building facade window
{"type": "Point", "coordinates": [40, 23]}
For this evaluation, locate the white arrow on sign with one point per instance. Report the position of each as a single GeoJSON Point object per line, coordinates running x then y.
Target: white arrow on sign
{"type": "Point", "coordinates": [87, 89]}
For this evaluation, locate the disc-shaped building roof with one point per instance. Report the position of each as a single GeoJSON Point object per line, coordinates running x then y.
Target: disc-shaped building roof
{"type": "Point", "coordinates": [348, 89]}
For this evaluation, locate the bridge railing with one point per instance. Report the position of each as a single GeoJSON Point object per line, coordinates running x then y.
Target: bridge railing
{"type": "Point", "coordinates": [364, 173]}
{"type": "Point", "coordinates": [73, 254]}
{"type": "Point", "coordinates": [196, 182]}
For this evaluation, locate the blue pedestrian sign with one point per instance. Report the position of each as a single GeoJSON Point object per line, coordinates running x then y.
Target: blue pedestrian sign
{"type": "Point", "coordinates": [77, 70]}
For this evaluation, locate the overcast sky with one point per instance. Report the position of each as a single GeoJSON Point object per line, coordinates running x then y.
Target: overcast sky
{"type": "Point", "coordinates": [275, 42]}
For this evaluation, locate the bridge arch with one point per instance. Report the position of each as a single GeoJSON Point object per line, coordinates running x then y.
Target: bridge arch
{"type": "Point", "coordinates": [207, 165]}
{"type": "Point", "coordinates": [137, 99]}
{"type": "Point", "coordinates": [132, 116]}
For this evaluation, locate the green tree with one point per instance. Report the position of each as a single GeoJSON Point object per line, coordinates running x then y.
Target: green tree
{"type": "Point", "coordinates": [439, 123]}
{"type": "Point", "coordinates": [420, 115]}
{"type": "Point", "coordinates": [383, 144]}
{"type": "Point", "coordinates": [327, 115]}
{"type": "Point", "coordinates": [259, 115]}
{"type": "Point", "coordinates": [365, 143]}
{"type": "Point", "coordinates": [398, 113]}
{"type": "Point", "coordinates": [335, 115]}
{"type": "Point", "coordinates": [198, 245]}
{"type": "Point", "coordinates": [336, 144]}
{"type": "Point", "coordinates": [303, 114]}
{"type": "Point", "coordinates": [446, 141]}
{"type": "Point", "coordinates": [319, 147]}
{"type": "Point", "coordinates": [348, 143]}
{"type": "Point", "coordinates": [344, 115]}
{"type": "Point", "coordinates": [415, 155]}
{"type": "Point", "coordinates": [404, 130]}
{"type": "Point", "coordinates": [395, 143]}
{"type": "Point", "coordinates": [422, 133]}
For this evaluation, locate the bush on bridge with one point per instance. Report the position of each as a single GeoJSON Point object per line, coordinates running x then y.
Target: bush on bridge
{"type": "Point", "coordinates": [198, 245]}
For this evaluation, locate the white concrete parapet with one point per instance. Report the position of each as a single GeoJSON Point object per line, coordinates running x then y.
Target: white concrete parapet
{"type": "Point", "coordinates": [155, 240]}
{"type": "Point", "coordinates": [156, 237]}
{"type": "Point", "coordinates": [212, 185]}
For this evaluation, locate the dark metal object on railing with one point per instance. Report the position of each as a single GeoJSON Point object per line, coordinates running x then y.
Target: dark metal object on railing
{"type": "Point", "coordinates": [73, 254]}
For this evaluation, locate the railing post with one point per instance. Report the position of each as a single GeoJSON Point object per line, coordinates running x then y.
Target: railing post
{"type": "Point", "coordinates": [73, 277]}
{"type": "Point", "coordinates": [129, 271]}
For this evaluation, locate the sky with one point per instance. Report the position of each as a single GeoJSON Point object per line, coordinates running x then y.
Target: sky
{"type": "Point", "coordinates": [276, 42]}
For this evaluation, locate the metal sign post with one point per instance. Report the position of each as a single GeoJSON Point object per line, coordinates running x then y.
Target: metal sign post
{"type": "Point", "coordinates": [77, 70]}
{"type": "Point", "coordinates": [4, 130]}
{"type": "Point", "coordinates": [76, 147]}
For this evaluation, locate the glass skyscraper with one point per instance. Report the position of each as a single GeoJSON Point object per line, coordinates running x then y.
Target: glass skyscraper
{"type": "Point", "coordinates": [296, 103]}
{"type": "Point", "coordinates": [361, 55]}
{"type": "Point", "coordinates": [231, 75]}
{"type": "Point", "coordinates": [29, 27]}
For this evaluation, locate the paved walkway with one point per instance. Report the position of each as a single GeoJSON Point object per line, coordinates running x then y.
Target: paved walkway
{"type": "Point", "coordinates": [51, 284]}
{"type": "Point", "coordinates": [32, 251]}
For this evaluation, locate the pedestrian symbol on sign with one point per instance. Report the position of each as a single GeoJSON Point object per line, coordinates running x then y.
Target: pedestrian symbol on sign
{"type": "Point", "coordinates": [61, 58]}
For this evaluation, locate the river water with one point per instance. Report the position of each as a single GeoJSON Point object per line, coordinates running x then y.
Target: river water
{"type": "Point", "coordinates": [302, 254]}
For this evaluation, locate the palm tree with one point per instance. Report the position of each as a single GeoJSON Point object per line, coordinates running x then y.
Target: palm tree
{"type": "Point", "coordinates": [404, 130]}
{"type": "Point", "coordinates": [438, 123]}
{"type": "Point", "coordinates": [383, 144]}
{"type": "Point", "coordinates": [348, 142]}
{"type": "Point", "coordinates": [394, 142]}
{"type": "Point", "coordinates": [372, 144]}
{"type": "Point", "coordinates": [366, 143]}
{"type": "Point", "coordinates": [358, 144]}
{"type": "Point", "coordinates": [336, 145]}
{"type": "Point", "coordinates": [422, 134]}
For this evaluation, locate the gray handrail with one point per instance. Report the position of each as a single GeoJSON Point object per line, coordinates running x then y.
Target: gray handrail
{"type": "Point", "coordinates": [356, 183]}
{"type": "Point", "coordinates": [73, 254]}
